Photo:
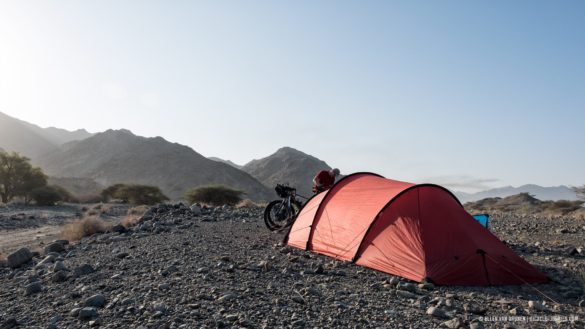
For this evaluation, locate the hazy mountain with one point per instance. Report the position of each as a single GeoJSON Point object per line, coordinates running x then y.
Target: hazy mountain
{"type": "Point", "coordinates": [226, 162]}
{"type": "Point", "coordinates": [118, 156]}
{"type": "Point", "coordinates": [60, 136]}
{"type": "Point", "coordinates": [287, 165]}
{"type": "Point", "coordinates": [31, 140]}
{"type": "Point", "coordinates": [553, 193]}
{"type": "Point", "coordinates": [17, 136]}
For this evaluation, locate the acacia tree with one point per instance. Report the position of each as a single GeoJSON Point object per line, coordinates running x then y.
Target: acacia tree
{"type": "Point", "coordinates": [18, 177]}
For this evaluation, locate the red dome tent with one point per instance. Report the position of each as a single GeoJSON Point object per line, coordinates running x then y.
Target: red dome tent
{"type": "Point", "coordinates": [414, 231]}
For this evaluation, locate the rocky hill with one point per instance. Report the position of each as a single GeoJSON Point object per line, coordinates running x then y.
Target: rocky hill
{"type": "Point", "coordinates": [287, 165]}
{"type": "Point", "coordinates": [31, 140]}
{"type": "Point", "coordinates": [526, 204]}
{"type": "Point", "coordinates": [118, 156]}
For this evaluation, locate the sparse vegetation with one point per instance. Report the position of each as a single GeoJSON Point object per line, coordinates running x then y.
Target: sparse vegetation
{"type": "Point", "coordinates": [90, 198]}
{"type": "Point", "coordinates": [134, 194]}
{"type": "Point", "coordinates": [215, 195]}
{"type": "Point", "coordinates": [18, 178]}
{"type": "Point", "coordinates": [247, 203]}
{"type": "Point", "coordinates": [50, 195]}
{"type": "Point", "coordinates": [85, 227]}
{"type": "Point", "coordinates": [133, 216]}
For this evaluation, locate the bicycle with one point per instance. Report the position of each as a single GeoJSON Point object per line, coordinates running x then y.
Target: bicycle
{"type": "Point", "coordinates": [280, 214]}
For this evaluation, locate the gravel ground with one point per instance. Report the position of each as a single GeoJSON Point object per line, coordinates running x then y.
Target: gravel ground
{"type": "Point", "coordinates": [223, 268]}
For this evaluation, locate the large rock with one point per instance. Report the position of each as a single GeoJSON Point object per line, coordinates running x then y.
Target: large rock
{"type": "Point", "coordinates": [19, 257]}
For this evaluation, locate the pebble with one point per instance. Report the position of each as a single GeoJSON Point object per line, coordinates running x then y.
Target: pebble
{"type": "Point", "coordinates": [60, 276]}
{"type": "Point", "coordinates": [437, 312]}
{"type": "Point", "coordinates": [60, 266]}
{"type": "Point", "coordinates": [87, 313]}
{"type": "Point", "coordinates": [95, 301]}
{"type": "Point", "coordinates": [54, 247]}
{"type": "Point", "coordinates": [33, 288]}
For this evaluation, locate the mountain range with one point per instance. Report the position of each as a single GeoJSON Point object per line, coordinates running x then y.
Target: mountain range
{"type": "Point", "coordinates": [84, 162]}
{"type": "Point", "coordinates": [552, 193]}
{"type": "Point", "coordinates": [33, 141]}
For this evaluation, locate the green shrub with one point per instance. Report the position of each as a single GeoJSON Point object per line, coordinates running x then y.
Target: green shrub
{"type": "Point", "coordinates": [50, 195]}
{"type": "Point", "coordinates": [214, 195]}
{"type": "Point", "coordinates": [18, 178]}
{"type": "Point", "coordinates": [135, 194]}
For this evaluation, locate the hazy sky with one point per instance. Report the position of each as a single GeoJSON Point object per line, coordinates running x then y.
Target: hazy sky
{"type": "Point", "coordinates": [470, 93]}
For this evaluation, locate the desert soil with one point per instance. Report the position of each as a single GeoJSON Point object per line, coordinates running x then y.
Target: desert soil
{"type": "Point", "coordinates": [223, 268]}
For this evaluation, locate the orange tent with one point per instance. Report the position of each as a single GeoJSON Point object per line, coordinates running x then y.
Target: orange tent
{"type": "Point", "coordinates": [414, 231]}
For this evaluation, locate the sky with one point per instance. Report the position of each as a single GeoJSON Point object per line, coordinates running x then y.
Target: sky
{"type": "Point", "coordinates": [468, 94]}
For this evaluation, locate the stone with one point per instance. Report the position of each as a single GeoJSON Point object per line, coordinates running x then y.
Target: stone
{"type": "Point", "coordinates": [121, 255]}
{"type": "Point", "coordinates": [474, 309]}
{"type": "Point", "coordinates": [426, 286]}
{"type": "Point", "coordinates": [517, 311]}
{"type": "Point", "coordinates": [536, 305]}
{"type": "Point", "coordinates": [454, 323]}
{"type": "Point", "coordinates": [195, 209]}
{"type": "Point", "coordinates": [119, 228]}
{"type": "Point", "coordinates": [476, 325]}
{"type": "Point", "coordinates": [88, 313]}
{"type": "Point", "coordinates": [159, 307]}
{"type": "Point", "coordinates": [232, 317]}
{"type": "Point", "coordinates": [54, 247]}
{"type": "Point", "coordinates": [437, 312]}
{"type": "Point", "coordinates": [298, 299]}
{"type": "Point", "coordinates": [405, 294]}
{"type": "Point", "coordinates": [75, 312]}
{"type": "Point", "coordinates": [46, 260]}
{"type": "Point", "coordinates": [60, 276]}
{"type": "Point", "coordinates": [95, 301]}
{"type": "Point", "coordinates": [227, 297]}
{"type": "Point", "coordinates": [406, 286]}
{"type": "Point", "coordinates": [60, 266]}
{"type": "Point", "coordinates": [84, 269]}
{"type": "Point", "coordinates": [19, 258]}
{"type": "Point", "coordinates": [33, 288]}
{"type": "Point", "coordinates": [56, 318]}
{"type": "Point", "coordinates": [9, 323]}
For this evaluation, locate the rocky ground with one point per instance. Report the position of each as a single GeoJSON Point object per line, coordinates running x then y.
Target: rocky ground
{"type": "Point", "coordinates": [222, 268]}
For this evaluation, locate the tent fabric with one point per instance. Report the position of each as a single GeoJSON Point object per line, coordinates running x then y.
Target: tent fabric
{"type": "Point", "coordinates": [415, 231]}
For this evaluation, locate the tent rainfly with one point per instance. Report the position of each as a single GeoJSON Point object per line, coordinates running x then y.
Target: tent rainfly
{"type": "Point", "coordinates": [419, 232]}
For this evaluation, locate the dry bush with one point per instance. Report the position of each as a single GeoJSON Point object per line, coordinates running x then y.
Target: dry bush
{"type": "Point", "coordinates": [215, 195]}
{"type": "Point", "coordinates": [85, 227]}
{"type": "Point", "coordinates": [247, 203]}
{"type": "Point", "coordinates": [133, 216]}
{"type": "Point", "coordinates": [138, 210]}
{"type": "Point", "coordinates": [130, 220]}
{"type": "Point", "coordinates": [93, 212]}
